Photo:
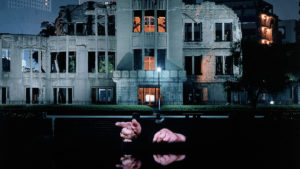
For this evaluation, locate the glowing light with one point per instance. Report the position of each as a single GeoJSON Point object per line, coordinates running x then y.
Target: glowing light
{"type": "Point", "coordinates": [150, 98]}
{"type": "Point", "coordinates": [158, 69]}
{"type": "Point", "coordinates": [272, 102]}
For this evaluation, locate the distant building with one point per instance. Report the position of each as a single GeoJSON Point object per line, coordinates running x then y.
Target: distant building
{"type": "Point", "coordinates": [288, 30]}
{"type": "Point", "coordinates": [110, 53]}
{"type": "Point", "coordinates": [44, 5]}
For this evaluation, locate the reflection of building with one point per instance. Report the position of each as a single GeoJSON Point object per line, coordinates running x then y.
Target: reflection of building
{"type": "Point", "coordinates": [110, 53]}
{"type": "Point", "coordinates": [44, 5]}
{"type": "Point", "coordinates": [257, 18]}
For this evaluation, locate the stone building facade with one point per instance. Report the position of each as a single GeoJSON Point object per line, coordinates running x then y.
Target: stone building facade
{"type": "Point", "coordinates": [112, 53]}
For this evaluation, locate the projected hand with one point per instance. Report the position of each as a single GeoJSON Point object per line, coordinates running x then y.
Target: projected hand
{"type": "Point", "coordinates": [167, 159]}
{"type": "Point", "coordinates": [128, 162]}
{"type": "Point", "coordinates": [166, 135]}
{"type": "Point", "coordinates": [130, 130]}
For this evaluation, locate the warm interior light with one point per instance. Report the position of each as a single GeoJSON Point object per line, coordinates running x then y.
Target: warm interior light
{"type": "Point", "coordinates": [158, 69]}
{"type": "Point", "coordinates": [150, 98]}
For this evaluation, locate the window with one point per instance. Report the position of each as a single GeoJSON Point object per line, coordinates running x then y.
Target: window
{"type": "Point", "coordinates": [229, 65]}
{"type": "Point", "coordinates": [227, 36]}
{"type": "Point", "coordinates": [148, 96]}
{"type": "Point", "coordinates": [62, 95]}
{"type": "Point", "coordinates": [188, 32]}
{"type": "Point", "coordinates": [188, 65]}
{"type": "Point", "coordinates": [228, 32]}
{"type": "Point", "coordinates": [219, 65]}
{"type": "Point", "coordinates": [35, 61]}
{"type": "Point", "coordinates": [219, 32]}
{"type": "Point", "coordinates": [111, 25]}
{"type": "Point", "coordinates": [35, 95]}
{"type": "Point", "coordinates": [149, 61]}
{"type": "Point", "coordinates": [111, 62]}
{"type": "Point", "coordinates": [161, 57]}
{"type": "Point", "coordinates": [72, 62]}
{"type": "Point", "coordinates": [31, 61]}
{"type": "Point", "coordinates": [26, 61]}
{"type": "Point", "coordinates": [91, 62]}
{"type": "Point", "coordinates": [149, 21]}
{"type": "Point", "coordinates": [43, 61]}
{"type": "Point", "coordinates": [27, 95]}
{"type": "Point", "coordinates": [80, 29]}
{"type": "Point", "coordinates": [71, 29]}
{"type": "Point", "coordinates": [101, 62]}
{"type": "Point", "coordinates": [58, 62]}
{"type": "Point", "coordinates": [102, 95]}
{"type": "Point", "coordinates": [89, 25]}
{"type": "Point", "coordinates": [5, 61]}
{"type": "Point", "coordinates": [197, 65]}
{"type": "Point", "coordinates": [4, 97]}
{"type": "Point", "coordinates": [197, 32]}
{"type": "Point", "coordinates": [137, 21]}
{"type": "Point", "coordinates": [137, 59]}
{"type": "Point", "coordinates": [161, 21]}
{"type": "Point", "coordinates": [101, 25]}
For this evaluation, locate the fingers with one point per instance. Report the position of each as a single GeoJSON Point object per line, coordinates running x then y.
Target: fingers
{"type": "Point", "coordinates": [136, 126]}
{"type": "Point", "coordinates": [122, 124]}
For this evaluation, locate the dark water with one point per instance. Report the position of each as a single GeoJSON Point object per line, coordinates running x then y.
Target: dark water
{"type": "Point", "coordinates": [85, 144]}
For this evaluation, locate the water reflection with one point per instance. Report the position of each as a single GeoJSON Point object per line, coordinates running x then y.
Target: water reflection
{"type": "Point", "coordinates": [130, 162]}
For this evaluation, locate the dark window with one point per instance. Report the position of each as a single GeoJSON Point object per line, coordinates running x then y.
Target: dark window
{"type": "Point", "coordinates": [62, 96]}
{"type": "Point", "coordinates": [219, 32]}
{"type": "Point", "coordinates": [197, 65]}
{"type": "Point", "coordinates": [102, 95]}
{"type": "Point", "coordinates": [4, 95]}
{"type": "Point", "coordinates": [72, 62]}
{"type": "Point", "coordinates": [27, 95]}
{"type": "Point", "coordinates": [80, 29]}
{"type": "Point", "coordinates": [137, 59]}
{"type": "Point", "coordinates": [58, 62]}
{"type": "Point", "coordinates": [228, 31]}
{"type": "Point", "coordinates": [188, 65]}
{"type": "Point", "coordinates": [91, 62]}
{"type": "Point", "coordinates": [5, 61]}
{"type": "Point", "coordinates": [161, 58]}
{"type": "Point", "coordinates": [43, 61]}
{"type": "Point", "coordinates": [198, 32]}
{"type": "Point", "coordinates": [111, 62]}
{"type": "Point", "coordinates": [101, 62]}
{"type": "Point", "coordinates": [188, 32]}
{"type": "Point", "coordinates": [70, 29]}
{"type": "Point", "coordinates": [137, 21]}
{"type": "Point", "coordinates": [70, 94]}
{"type": "Point", "coordinates": [111, 25]}
{"type": "Point", "coordinates": [229, 65]}
{"type": "Point", "coordinates": [219, 65]}
{"type": "Point", "coordinates": [55, 95]}
{"type": "Point", "coordinates": [161, 21]}
{"type": "Point", "coordinates": [101, 25]}
{"type": "Point", "coordinates": [89, 25]}
{"type": "Point", "coordinates": [35, 95]}
{"type": "Point", "coordinates": [93, 95]}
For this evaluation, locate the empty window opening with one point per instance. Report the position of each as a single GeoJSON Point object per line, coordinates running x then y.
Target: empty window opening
{"type": "Point", "coordinates": [137, 21]}
{"type": "Point", "coordinates": [229, 65]}
{"type": "Point", "coordinates": [149, 21]}
{"type": "Point", "coordinates": [219, 65]}
{"type": "Point", "coordinates": [111, 62]}
{"type": "Point", "coordinates": [92, 62]}
{"type": "Point", "coordinates": [197, 32]}
{"type": "Point", "coordinates": [149, 96]}
{"type": "Point", "coordinates": [55, 95]}
{"type": "Point", "coordinates": [58, 62]}
{"type": "Point", "coordinates": [149, 61]}
{"type": "Point", "coordinates": [161, 57]}
{"type": "Point", "coordinates": [43, 61]}
{"type": "Point", "coordinates": [101, 62]}
{"type": "Point", "coordinates": [70, 95]}
{"type": "Point", "coordinates": [35, 61]}
{"type": "Point", "coordinates": [89, 25]}
{"type": "Point", "coordinates": [197, 65]}
{"type": "Point", "coordinates": [35, 95]}
{"type": "Point", "coordinates": [27, 95]}
{"type": "Point", "coordinates": [188, 32]}
{"type": "Point", "coordinates": [188, 65]}
{"type": "Point", "coordinates": [72, 62]}
{"type": "Point", "coordinates": [5, 61]}
{"type": "Point", "coordinates": [4, 97]}
{"type": "Point", "coordinates": [62, 97]}
{"type": "Point", "coordinates": [137, 59]}
{"type": "Point", "coordinates": [161, 21]}
{"type": "Point", "coordinates": [102, 95]}
{"type": "Point", "coordinates": [101, 25]}
{"type": "Point", "coordinates": [80, 29]}
{"type": "Point", "coordinates": [26, 61]}
{"type": "Point", "coordinates": [219, 32]}
{"type": "Point", "coordinates": [70, 29]}
{"type": "Point", "coordinates": [111, 25]}
{"type": "Point", "coordinates": [228, 32]}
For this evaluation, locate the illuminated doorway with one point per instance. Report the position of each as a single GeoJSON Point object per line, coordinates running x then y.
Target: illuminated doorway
{"type": "Point", "coordinates": [149, 96]}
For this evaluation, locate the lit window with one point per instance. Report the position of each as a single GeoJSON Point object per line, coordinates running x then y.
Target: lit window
{"type": "Point", "coordinates": [149, 21]}
{"type": "Point", "coordinates": [137, 21]}
{"type": "Point", "coordinates": [149, 62]}
{"type": "Point", "coordinates": [161, 21]}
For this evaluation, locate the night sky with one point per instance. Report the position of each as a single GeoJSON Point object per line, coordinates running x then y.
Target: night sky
{"type": "Point", "coordinates": [27, 20]}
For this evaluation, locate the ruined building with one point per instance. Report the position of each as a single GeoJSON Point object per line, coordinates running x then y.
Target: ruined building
{"type": "Point", "coordinates": [125, 52]}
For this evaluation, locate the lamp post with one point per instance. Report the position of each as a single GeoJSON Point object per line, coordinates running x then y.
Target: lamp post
{"type": "Point", "coordinates": [158, 71]}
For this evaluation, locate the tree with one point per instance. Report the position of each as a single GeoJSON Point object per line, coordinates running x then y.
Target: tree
{"type": "Point", "coordinates": [48, 29]}
{"type": "Point", "coordinates": [263, 70]}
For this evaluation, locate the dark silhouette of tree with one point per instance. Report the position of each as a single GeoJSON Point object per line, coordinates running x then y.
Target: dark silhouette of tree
{"type": "Point", "coordinates": [48, 29]}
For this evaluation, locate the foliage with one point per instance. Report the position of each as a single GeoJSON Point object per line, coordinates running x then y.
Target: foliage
{"type": "Point", "coordinates": [48, 29]}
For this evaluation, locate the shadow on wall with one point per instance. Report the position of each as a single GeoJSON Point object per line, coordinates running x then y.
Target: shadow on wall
{"type": "Point", "coordinates": [126, 62]}
{"type": "Point", "coordinates": [171, 66]}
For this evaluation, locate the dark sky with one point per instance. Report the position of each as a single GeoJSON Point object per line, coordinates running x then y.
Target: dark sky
{"type": "Point", "coordinates": [27, 20]}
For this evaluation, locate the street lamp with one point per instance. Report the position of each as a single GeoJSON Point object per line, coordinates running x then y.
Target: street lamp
{"type": "Point", "coordinates": [158, 71]}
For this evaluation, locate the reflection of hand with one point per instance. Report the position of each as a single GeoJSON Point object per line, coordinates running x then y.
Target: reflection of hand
{"type": "Point", "coordinates": [130, 130]}
{"type": "Point", "coordinates": [166, 135]}
{"type": "Point", "coordinates": [168, 159]}
{"type": "Point", "coordinates": [128, 162]}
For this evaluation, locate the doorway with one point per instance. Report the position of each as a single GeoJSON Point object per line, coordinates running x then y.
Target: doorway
{"type": "Point", "coordinates": [149, 96]}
